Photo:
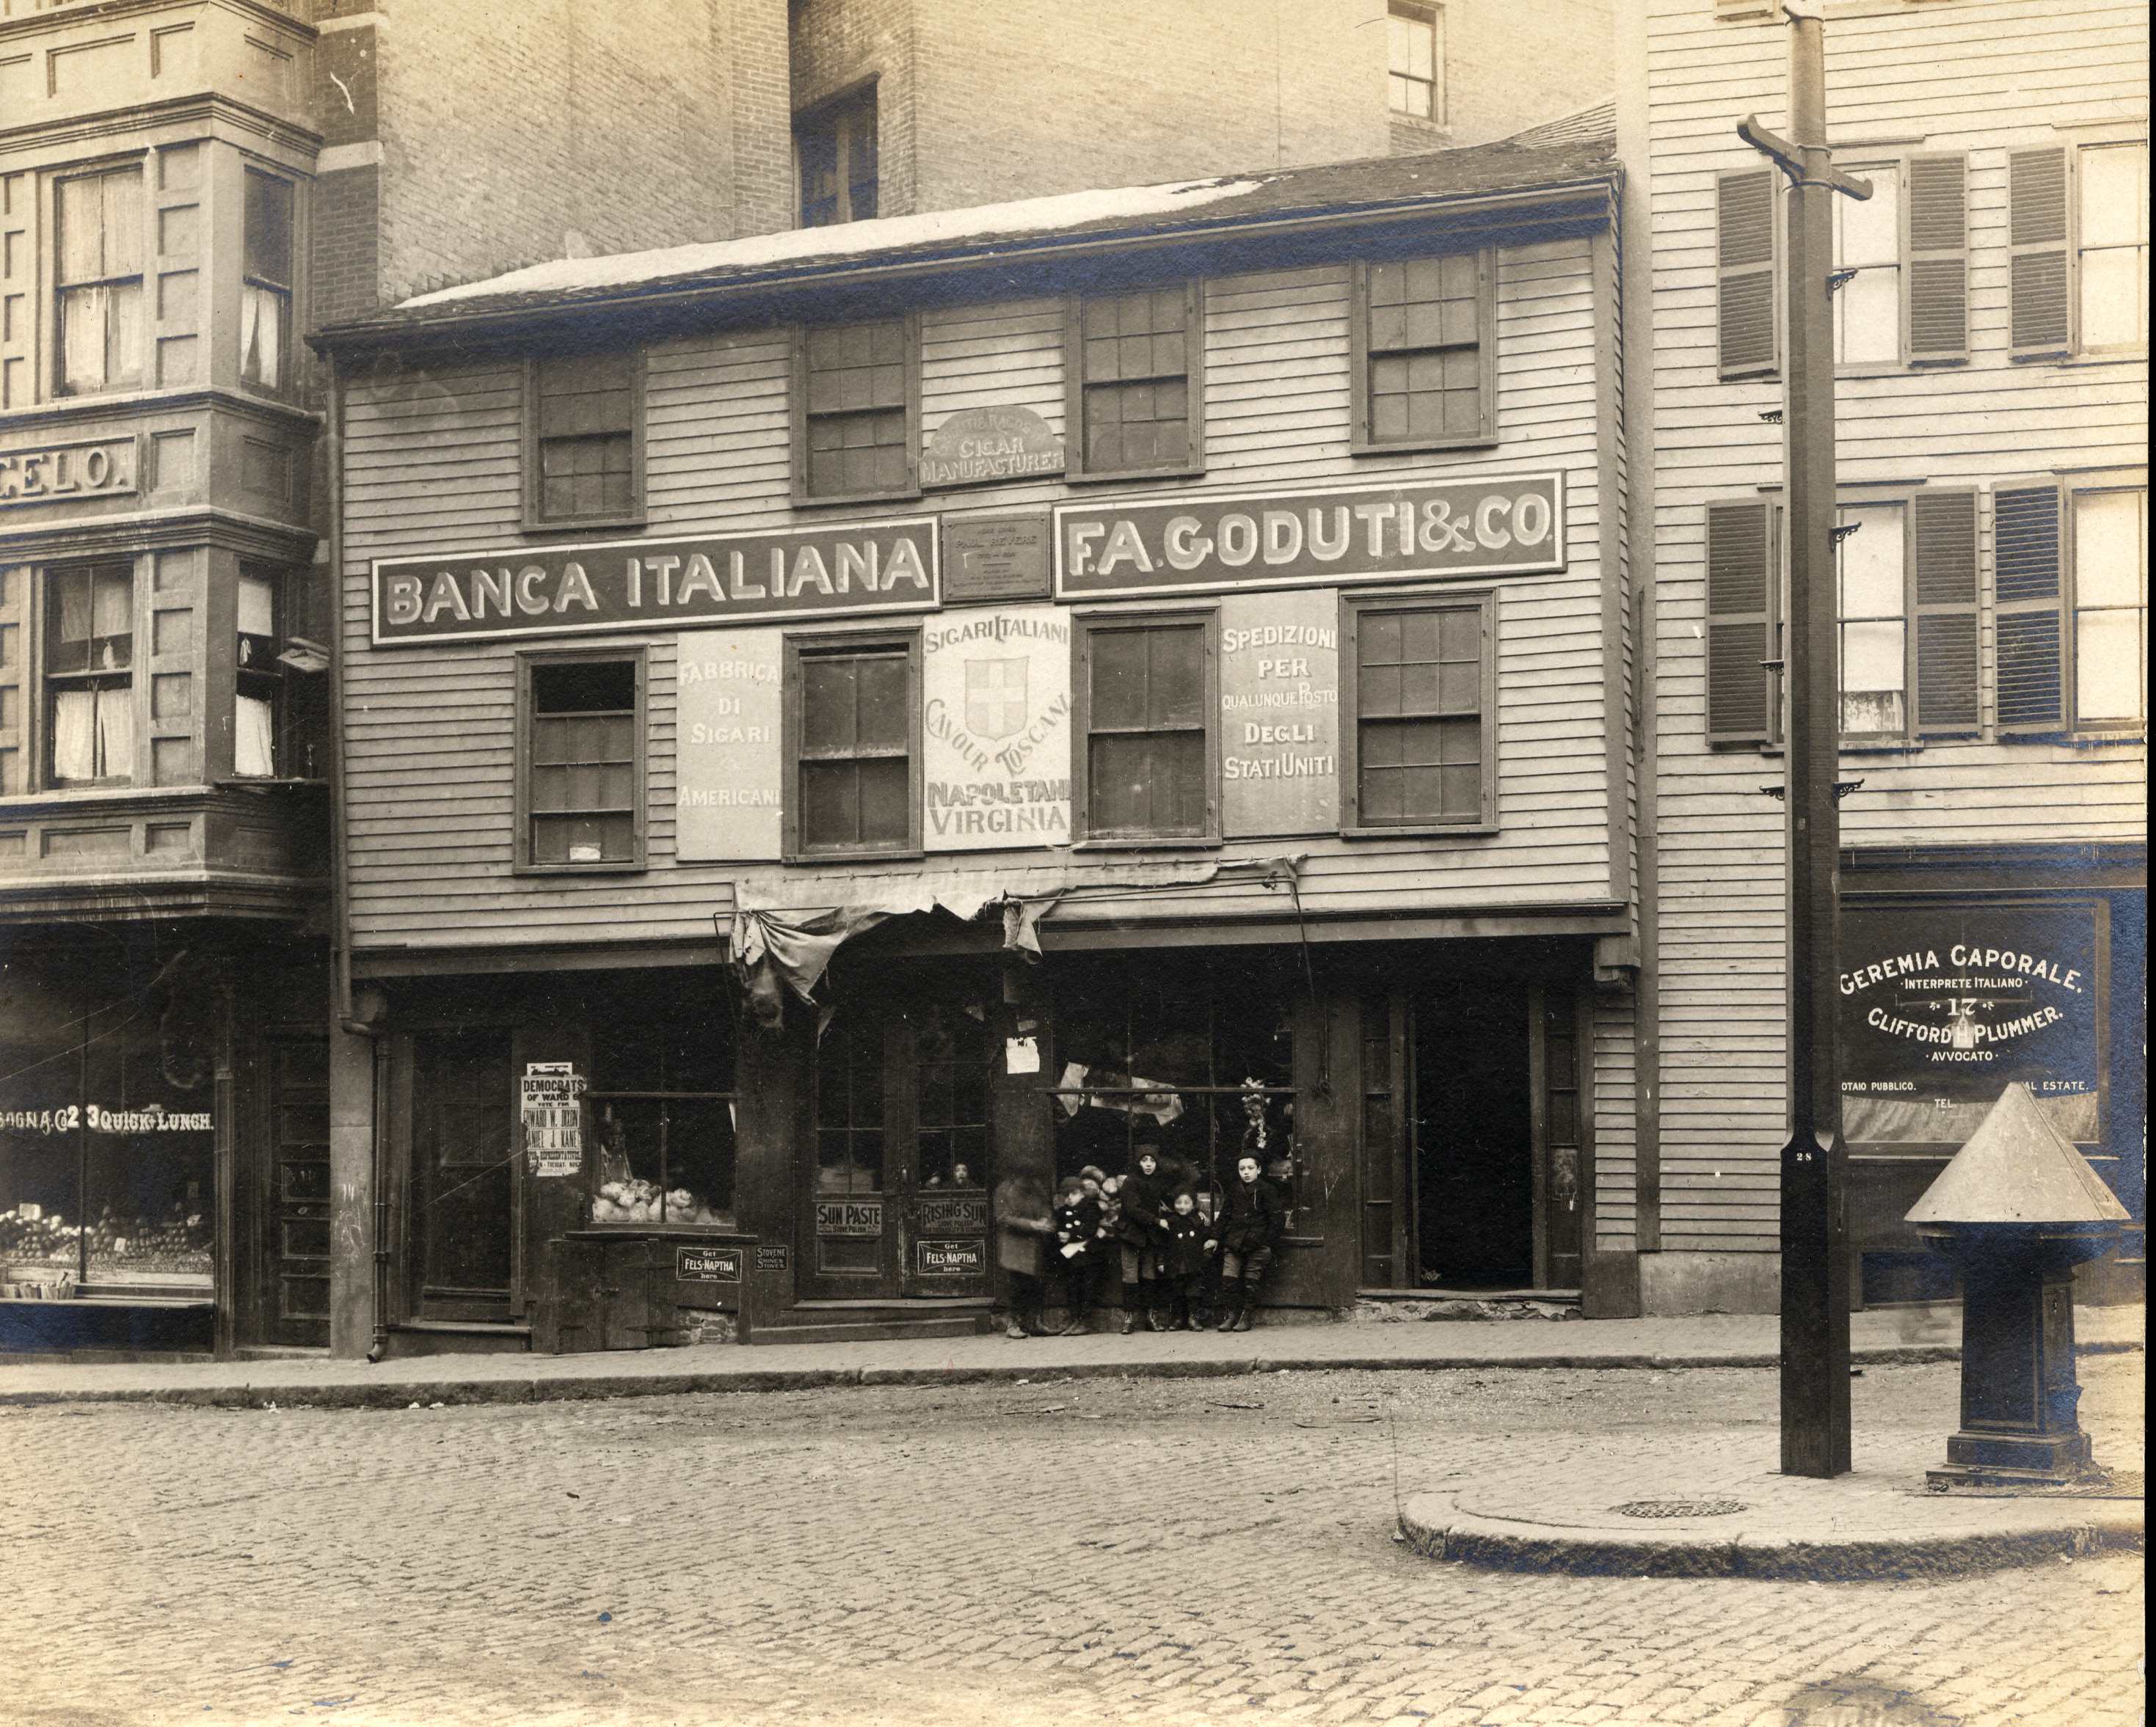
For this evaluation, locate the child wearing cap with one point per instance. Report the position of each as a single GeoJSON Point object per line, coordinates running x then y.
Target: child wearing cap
{"type": "Point", "coordinates": [1188, 1243]}
{"type": "Point", "coordinates": [1145, 1196]}
{"type": "Point", "coordinates": [1077, 1221]}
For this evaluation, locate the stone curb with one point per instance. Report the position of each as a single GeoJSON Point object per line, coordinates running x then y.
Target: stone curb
{"type": "Point", "coordinates": [1437, 1530]}
{"type": "Point", "coordinates": [399, 1393]}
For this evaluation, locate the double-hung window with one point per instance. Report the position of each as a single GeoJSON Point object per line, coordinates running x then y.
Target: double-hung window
{"type": "Point", "coordinates": [586, 457]}
{"type": "Point", "coordinates": [89, 656]}
{"type": "Point", "coordinates": [1419, 738]}
{"type": "Point", "coordinates": [1414, 60]}
{"type": "Point", "coordinates": [1426, 365]}
{"type": "Point", "coordinates": [581, 761]}
{"type": "Point", "coordinates": [266, 305]}
{"type": "Point", "coordinates": [2072, 600]}
{"type": "Point", "coordinates": [856, 408]}
{"type": "Point", "coordinates": [2112, 247]}
{"type": "Point", "coordinates": [258, 676]}
{"type": "Point", "coordinates": [1146, 747]}
{"type": "Point", "coordinates": [2077, 233]}
{"type": "Point", "coordinates": [835, 148]}
{"type": "Point", "coordinates": [98, 279]}
{"type": "Point", "coordinates": [1134, 381]}
{"type": "Point", "coordinates": [853, 737]}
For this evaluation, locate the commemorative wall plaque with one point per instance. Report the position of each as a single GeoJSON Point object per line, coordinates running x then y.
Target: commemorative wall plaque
{"type": "Point", "coordinates": [995, 557]}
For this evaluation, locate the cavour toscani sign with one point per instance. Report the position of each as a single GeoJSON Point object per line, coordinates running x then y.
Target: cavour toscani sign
{"type": "Point", "coordinates": [785, 575]}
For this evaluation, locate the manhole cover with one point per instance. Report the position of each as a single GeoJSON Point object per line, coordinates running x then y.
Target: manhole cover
{"type": "Point", "coordinates": [1680, 1508]}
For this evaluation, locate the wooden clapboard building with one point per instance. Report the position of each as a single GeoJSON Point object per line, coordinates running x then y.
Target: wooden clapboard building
{"type": "Point", "coordinates": [1992, 330]}
{"type": "Point", "coordinates": [833, 724]}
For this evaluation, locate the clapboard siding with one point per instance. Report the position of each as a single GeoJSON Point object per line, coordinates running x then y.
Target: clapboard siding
{"type": "Point", "coordinates": [432, 464]}
{"type": "Point", "coordinates": [1980, 77]}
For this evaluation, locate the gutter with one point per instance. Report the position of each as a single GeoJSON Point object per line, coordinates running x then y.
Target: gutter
{"type": "Point", "coordinates": [428, 328]}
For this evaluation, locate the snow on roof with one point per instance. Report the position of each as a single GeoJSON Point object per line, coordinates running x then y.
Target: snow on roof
{"type": "Point", "coordinates": [1035, 215]}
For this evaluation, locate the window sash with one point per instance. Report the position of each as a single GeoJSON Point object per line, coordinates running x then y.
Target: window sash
{"type": "Point", "coordinates": [853, 742]}
{"type": "Point", "coordinates": [580, 773]}
{"type": "Point", "coordinates": [585, 454]}
{"type": "Point", "coordinates": [90, 651]}
{"type": "Point", "coordinates": [1148, 740]}
{"type": "Point", "coordinates": [1424, 365]}
{"type": "Point", "coordinates": [2112, 253]}
{"type": "Point", "coordinates": [1134, 361]}
{"type": "Point", "coordinates": [837, 161]}
{"type": "Point", "coordinates": [1415, 62]}
{"type": "Point", "coordinates": [1420, 750]}
{"type": "Point", "coordinates": [857, 396]}
{"type": "Point", "coordinates": [1868, 238]}
{"type": "Point", "coordinates": [2110, 607]}
{"type": "Point", "coordinates": [1873, 599]}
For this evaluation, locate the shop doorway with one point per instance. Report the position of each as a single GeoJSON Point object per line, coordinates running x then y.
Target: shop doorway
{"type": "Point", "coordinates": [1473, 1133]}
{"type": "Point", "coordinates": [895, 1203]}
{"type": "Point", "coordinates": [463, 1179]}
{"type": "Point", "coordinates": [293, 1196]}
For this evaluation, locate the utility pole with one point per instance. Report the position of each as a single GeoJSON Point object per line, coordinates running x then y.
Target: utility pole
{"type": "Point", "coordinates": [1815, 1264]}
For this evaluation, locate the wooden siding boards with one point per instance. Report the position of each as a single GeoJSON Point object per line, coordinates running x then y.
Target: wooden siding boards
{"type": "Point", "coordinates": [1976, 77]}
{"type": "Point", "coordinates": [432, 465]}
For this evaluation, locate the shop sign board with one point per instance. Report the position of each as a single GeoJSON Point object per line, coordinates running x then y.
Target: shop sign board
{"type": "Point", "coordinates": [81, 468]}
{"type": "Point", "coordinates": [777, 1257]}
{"type": "Point", "coordinates": [849, 1217]}
{"type": "Point", "coordinates": [995, 557]}
{"type": "Point", "coordinates": [1279, 713]}
{"type": "Point", "coordinates": [996, 729]}
{"type": "Point", "coordinates": [707, 1265]}
{"type": "Point", "coordinates": [1942, 1007]}
{"type": "Point", "coordinates": [952, 1215]}
{"type": "Point", "coordinates": [950, 1258]}
{"type": "Point", "coordinates": [797, 574]}
{"type": "Point", "coordinates": [551, 1097]}
{"type": "Point", "coordinates": [1394, 530]}
{"type": "Point", "coordinates": [978, 444]}
{"type": "Point", "coordinates": [103, 1119]}
{"type": "Point", "coordinates": [727, 801]}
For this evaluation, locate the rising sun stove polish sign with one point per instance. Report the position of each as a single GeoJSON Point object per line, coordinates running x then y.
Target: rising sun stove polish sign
{"type": "Point", "coordinates": [797, 575]}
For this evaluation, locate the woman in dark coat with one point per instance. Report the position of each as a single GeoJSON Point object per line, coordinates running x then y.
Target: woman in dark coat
{"type": "Point", "coordinates": [1022, 1225]}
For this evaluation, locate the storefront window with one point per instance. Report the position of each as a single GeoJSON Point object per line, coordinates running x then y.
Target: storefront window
{"type": "Point", "coordinates": [951, 1142]}
{"type": "Point", "coordinates": [662, 1121]}
{"type": "Point", "coordinates": [850, 1109]}
{"type": "Point", "coordinates": [1200, 1064]}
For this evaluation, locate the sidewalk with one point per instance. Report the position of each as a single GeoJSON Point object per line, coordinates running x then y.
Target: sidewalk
{"type": "Point", "coordinates": [1707, 1340]}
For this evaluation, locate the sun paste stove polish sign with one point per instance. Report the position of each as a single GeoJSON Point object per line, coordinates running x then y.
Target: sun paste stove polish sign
{"type": "Point", "coordinates": [1279, 713]}
{"type": "Point", "coordinates": [995, 728]}
{"type": "Point", "coordinates": [1942, 1009]}
{"type": "Point", "coordinates": [1387, 532]}
{"type": "Point", "coordinates": [727, 796]}
{"type": "Point", "coordinates": [801, 574]}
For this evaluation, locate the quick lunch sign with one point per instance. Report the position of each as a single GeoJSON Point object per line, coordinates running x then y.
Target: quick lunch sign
{"type": "Point", "coordinates": [1321, 537]}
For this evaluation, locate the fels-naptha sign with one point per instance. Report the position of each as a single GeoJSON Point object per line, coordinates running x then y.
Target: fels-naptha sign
{"type": "Point", "coordinates": [807, 573]}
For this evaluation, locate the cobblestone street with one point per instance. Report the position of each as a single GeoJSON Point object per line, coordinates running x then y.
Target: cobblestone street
{"type": "Point", "coordinates": [1104, 1551]}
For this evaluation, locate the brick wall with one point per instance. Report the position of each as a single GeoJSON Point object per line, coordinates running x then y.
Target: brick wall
{"type": "Point", "coordinates": [1511, 66]}
{"type": "Point", "coordinates": [838, 45]}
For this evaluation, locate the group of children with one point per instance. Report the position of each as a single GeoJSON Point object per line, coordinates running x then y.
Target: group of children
{"type": "Point", "coordinates": [1149, 1227]}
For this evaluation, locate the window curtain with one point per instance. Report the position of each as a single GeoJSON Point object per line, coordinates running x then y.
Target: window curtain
{"type": "Point", "coordinates": [74, 734]}
{"type": "Point", "coordinates": [254, 737]}
{"type": "Point", "coordinates": [115, 734]}
{"type": "Point", "coordinates": [262, 336]}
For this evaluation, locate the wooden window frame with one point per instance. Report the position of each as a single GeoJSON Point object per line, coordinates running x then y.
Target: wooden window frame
{"type": "Point", "coordinates": [1074, 382]}
{"type": "Point", "coordinates": [797, 414]}
{"type": "Point", "coordinates": [815, 642]}
{"type": "Point", "coordinates": [2076, 248]}
{"type": "Point", "coordinates": [1360, 442]}
{"type": "Point", "coordinates": [137, 167]}
{"type": "Point", "coordinates": [2071, 609]}
{"type": "Point", "coordinates": [285, 385]}
{"type": "Point", "coordinates": [1429, 12]}
{"type": "Point", "coordinates": [536, 522]}
{"type": "Point", "coordinates": [1085, 625]}
{"type": "Point", "coordinates": [280, 579]}
{"type": "Point", "coordinates": [839, 111]}
{"type": "Point", "coordinates": [527, 660]}
{"type": "Point", "coordinates": [38, 690]}
{"type": "Point", "coordinates": [1353, 607]}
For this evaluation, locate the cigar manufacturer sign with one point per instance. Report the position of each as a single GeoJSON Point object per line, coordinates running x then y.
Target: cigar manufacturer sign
{"type": "Point", "coordinates": [1392, 532]}
{"type": "Point", "coordinates": [796, 576]}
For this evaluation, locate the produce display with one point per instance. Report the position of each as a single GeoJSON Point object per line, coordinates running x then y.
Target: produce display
{"type": "Point", "coordinates": [636, 1200]}
{"type": "Point", "coordinates": [180, 1241]}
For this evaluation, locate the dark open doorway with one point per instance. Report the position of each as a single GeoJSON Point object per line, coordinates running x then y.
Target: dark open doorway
{"type": "Point", "coordinates": [1474, 1137]}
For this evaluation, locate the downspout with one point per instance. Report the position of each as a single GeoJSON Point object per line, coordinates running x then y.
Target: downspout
{"type": "Point", "coordinates": [340, 877]}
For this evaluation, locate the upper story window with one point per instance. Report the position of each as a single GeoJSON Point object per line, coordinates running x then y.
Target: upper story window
{"type": "Point", "coordinates": [1420, 748]}
{"type": "Point", "coordinates": [1147, 753]}
{"type": "Point", "coordinates": [2078, 228]}
{"type": "Point", "coordinates": [1134, 382]}
{"type": "Point", "coordinates": [853, 725]}
{"type": "Point", "coordinates": [89, 656]}
{"type": "Point", "coordinates": [580, 769]}
{"type": "Point", "coordinates": [265, 305]}
{"type": "Point", "coordinates": [1414, 60]}
{"type": "Point", "coordinates": [836, 149]}
{"type": "Point", "coordinates": [98, 280]}
{"type": "Point", "coordinates": [1425, 371]}
{"type": "Point", "coordinates": [857, 401]}
{"type": "Point", "coordinates": [586, 459]}
{"type": "Point", "coordinates": [258, 677]}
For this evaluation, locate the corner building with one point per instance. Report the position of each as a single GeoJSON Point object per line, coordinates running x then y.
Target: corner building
{"type": "Point", "coordinates": [1147, 661]}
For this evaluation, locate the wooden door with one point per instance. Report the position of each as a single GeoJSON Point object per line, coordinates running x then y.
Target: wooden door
{"type": "Point", "coordinates": [1388, 1168]}
{"type": "Point", "coordinates": [1560, 1149]}
{"type": "Point", "coordinates": [848, 1218]}
{"type": "Point", "coordinates": [942, 1181]}
{"type": "Point", "coordinates": [463, 1179]}
{"type": "Point", "coordinates": [292, 1197]}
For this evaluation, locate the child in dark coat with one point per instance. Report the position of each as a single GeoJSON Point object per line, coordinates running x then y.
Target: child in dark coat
{"type": "Point", "coordinates": [1077, 1221]}
{"type": "Point", "coordinates": [1187, 1242]}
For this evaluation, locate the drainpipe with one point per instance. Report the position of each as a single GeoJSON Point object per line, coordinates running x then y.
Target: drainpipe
{"type": "Point", "coordinates": [347, 1018]}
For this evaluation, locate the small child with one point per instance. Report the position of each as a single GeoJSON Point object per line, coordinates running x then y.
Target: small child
{"type": "Point", "coordinates": [1187, 1246]}
{"type": "Point", "coordinates": [1077, 1221]}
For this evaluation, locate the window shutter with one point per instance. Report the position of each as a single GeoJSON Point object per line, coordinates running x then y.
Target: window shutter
{"type": "Point", "coordinates": [2042, 321]}
{"type": "Point", "coordinates": [1947, 650]}
{"type": "Point", "coordinates": [2025, 574]}
{"type": "Point", "coordinates": [1938, 276]}
{"type": "Point", "coordinates": [1744, 273]}
{"type": "Point", "coordinates": [1741, 599]}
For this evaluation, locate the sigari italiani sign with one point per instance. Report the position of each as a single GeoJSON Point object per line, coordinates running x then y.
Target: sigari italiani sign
{"type": "Point", "coordinates": [1391, 531]}
{"type": "Point", "coordinates": [798, 575]}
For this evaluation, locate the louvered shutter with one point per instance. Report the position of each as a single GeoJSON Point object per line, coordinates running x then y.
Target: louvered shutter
{"type": "Point", "coordinates": [1947, 650]}
{"type": "Point", "coordinates": [1937, 275]}
{"type": "Point", "coordinates": [2025, 539]}
{"type": "Point", "coordinates": [1743, 595]}
{"type": "Point", "coordinates": [2037, 235]}
{"type": "Point", "coordinates": [1744, 268]}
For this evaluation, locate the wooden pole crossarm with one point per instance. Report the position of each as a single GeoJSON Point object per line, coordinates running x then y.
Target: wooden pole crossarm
{"type": "Point", "coordinates": [1789, 158]}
